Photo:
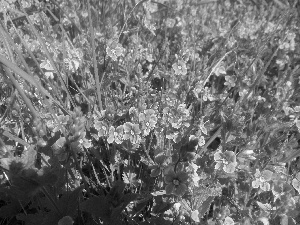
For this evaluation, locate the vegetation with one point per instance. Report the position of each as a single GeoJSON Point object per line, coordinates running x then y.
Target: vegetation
{"type": "Point", "coordinates": [150, 112]}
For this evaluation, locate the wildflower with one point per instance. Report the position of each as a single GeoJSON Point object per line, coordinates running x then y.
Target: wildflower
{"type": "Point", "coordinates": [148, 120]}
{"type": "Point", "coordinates": [150, 6]}
{"type": "Point", "coordinates": [115, 134]}
{"type": "Point", "coordinates": [148, 25]}
{"type": "Point", "coordinates": [48, 67]}
{"type": "Point", "coordinates": [132, 132]}
{"type": "Point", "coordinates": [176, 183]}
{"type": "Point", "coordinates": [228, 221]}
{"type": "Point", "coordinates": [180, 68]}
{"type": "Point", "coordinates": [114, 49]}
{"type": "Point", "coordinates": [198, 88]}
{"type": "Point", "coordinates": [230, 81]}
{"type": "Point", "coordinates": [220, 70]}
{"type": "Point", "coordinates": [170, 22]}
{"type": "Point", "coordinates": [261, 179]}
{"type": "Point", "coordinates": [195, 215]}
{"type": "Point", "coordinates": [225, 161]}
{"type": "Point", "coordinates": [207, 95]}
{"type": "Point", "coordinates": [102, 128]}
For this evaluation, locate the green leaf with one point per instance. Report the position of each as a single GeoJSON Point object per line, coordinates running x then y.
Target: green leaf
{"type": "Point", "coordinates": [161, 206]}
{"type": "Point", "coordinates": [205, 206]}
{"type": "Point", "coordinates": [32, 219]}
{"type": "Point", "coordinates": [97, 206]}
{"type": "Point", "coordinates": [69, 201]}
{"type": "Point", "coordinates": [11, 209]}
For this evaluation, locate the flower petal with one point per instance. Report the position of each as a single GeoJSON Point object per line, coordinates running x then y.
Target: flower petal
{"type": "Point", "coordinates": [180, 190]}
{"type": "Point", "coordinates": [155, 172]}
{"type": "Point", "coordinates": [170, 188]}
{"type": "Point", "coordinates": [182, 176]}
{"type": "Point", "coordinates": [170, 176]}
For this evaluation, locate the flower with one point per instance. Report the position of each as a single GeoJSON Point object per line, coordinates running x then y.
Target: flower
{"type": "Point", "coordinates": [180, 68]}
{"type": "Point", "coordinates": [230, 81]}
{"type": "Point", "coordinates": [102, 128]}
{"type": "Point", "coordinates": [148, 120]}
{"type": "Point", "coordinates": [115, 134]}
{"type": "Point", "coordinates": [114, 49]}
{"type": "Point", "coordinates": [261, 180]}
{"type": "Point", "coordinates": [176, 183]}
{"type": "Point", "coordinates": [225, 161]}
{"type": "Point", "coordinates": [170, 22]}
{"type": "Point", "coordinates": [207, 95]}
{"type": "Point", "coordinates": [220, 70]}
{"type": "Point", "coordinates": [132, 132]}
{"type": "Point", "coordinates": [228, 221]}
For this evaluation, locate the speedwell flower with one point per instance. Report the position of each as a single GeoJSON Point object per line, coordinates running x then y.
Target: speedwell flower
{"type": "Point", "coordinates": [148, 120]}
{"type": "Point", "coordinates": [176, 183]}
{"type": "Point", "coordinates": [180, 68]}
{"type": "Point", "coordinates": [102, 128]}
{"type": "Point", "coordinates": [114, 49]}
{"type": "Point", "coordinates": [225, 161]}
{"type": "Point", "coordinates": [115, 134]}
{"type": "Point", "coordinates": [132, 132]}
{"type": "Point", "coordinates": [261, 180]}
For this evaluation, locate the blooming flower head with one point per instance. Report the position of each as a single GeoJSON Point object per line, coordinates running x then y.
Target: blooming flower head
{"type": "Point", "coordinates": [115, 134]}
{"type": "Point", "coordinates": [262, 180]}
{"type": "Point", "coordinates": [132, 132]}
{"type": "Point", "coordinates": [225, 161]}
{"type": "Point", "coordinates": [230, 81]}
{"type": "Point", "coordinates": [148, 120]}
{"type": "Point", "coordinates": [176, 183]}
{"type": "Point", "coordinates": [102, 128]}
{"type": "Point", "coordinates": [220, 70]}
{"type": "Point", "coordinates": [170, 22]}
{"type": "Point", "coordinates": [228, 221]}
{"type": "Point", "coordinates": [114, 49]}
{"type": "Point", "coordinates": [180, 68]}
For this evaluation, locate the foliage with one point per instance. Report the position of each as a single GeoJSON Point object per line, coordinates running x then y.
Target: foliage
{"type": "Point", "coordinates": [149, 112]}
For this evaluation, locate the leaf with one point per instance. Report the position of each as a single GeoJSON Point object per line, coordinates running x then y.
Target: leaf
{"type": "Point", "coordinates": [296, 184]}
{"type": "Point", "coordinates": [11, 209]}
{"type": "Point", "coordinates": [265, 207]}
{"type": "Point", "coordinates": [31, 219]}
{"type": "Point", "coordinates": [205, 206]}
{"type": "Point", "coordinates": [69, 201]}
{"type": "Point", "coordinates": [97, 206]}
{"type": "Point", "coordinates": [129, 198]}
{"type": "Point", "coordinates": [155, 172]}
{"type": "Point", "coordinates": [161, 206]}
{"type": "Point", "coordinates": [161, 221]}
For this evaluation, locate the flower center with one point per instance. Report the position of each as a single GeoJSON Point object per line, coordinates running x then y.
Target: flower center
{"type": "Point", "coordinates": [176, 182]}
{"type": "Point", "coordinates": [132, 133]}
{"type": "Point", "coordinates": [179, 67]}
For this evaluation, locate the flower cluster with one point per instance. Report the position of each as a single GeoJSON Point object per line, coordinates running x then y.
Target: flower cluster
{"type": "Point", "coordinates": [262, 180]}
{"type": "Point", "coordinates": [225, 160]}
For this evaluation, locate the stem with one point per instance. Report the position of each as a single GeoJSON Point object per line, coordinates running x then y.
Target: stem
{"type": "Point", "coordinates": [98, 84]}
